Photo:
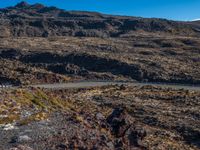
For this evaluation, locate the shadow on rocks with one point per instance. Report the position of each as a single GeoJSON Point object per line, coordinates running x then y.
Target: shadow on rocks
{"type": "Point", "coordinates": [128, 135]}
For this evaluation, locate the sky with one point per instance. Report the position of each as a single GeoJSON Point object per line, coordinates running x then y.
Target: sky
{"type": "Point", "coordinates": [185, 10]}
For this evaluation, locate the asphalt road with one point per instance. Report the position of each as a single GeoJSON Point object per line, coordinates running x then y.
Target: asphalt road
{"type": "Point", "coordinates": [87, 84]}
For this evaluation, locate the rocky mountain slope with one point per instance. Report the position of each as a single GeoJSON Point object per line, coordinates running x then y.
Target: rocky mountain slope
{"type": "Point", "coordinates": [41, 44]}
{"type": "Point", "coordinates": [40, 21]}
{"type": "Point", "coordinates": [142, 58]}
{"type": "Point", "coordinates": [118, 117]}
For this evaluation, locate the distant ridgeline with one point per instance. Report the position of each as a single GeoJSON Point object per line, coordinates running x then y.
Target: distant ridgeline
{"type": "Point", "coordinates": [24, 20]}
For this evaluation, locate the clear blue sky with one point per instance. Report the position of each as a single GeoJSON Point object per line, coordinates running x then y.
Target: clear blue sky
{"type": "Point", "coordinates": [170, 9]}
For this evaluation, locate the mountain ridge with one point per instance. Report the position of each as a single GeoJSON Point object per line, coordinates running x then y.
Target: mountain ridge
{"type": "Point", "coordinates": [37, 20]}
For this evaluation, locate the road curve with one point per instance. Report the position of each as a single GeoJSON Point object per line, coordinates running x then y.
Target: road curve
{"type": "Point", "coordinates": [87, 84]}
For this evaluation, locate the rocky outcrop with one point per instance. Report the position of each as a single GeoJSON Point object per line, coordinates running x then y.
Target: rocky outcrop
{"type": "Point", "coordinates": [82, 63]}
{"type": "Point", "coordinates": [89, 62]}
{"type": "Point", "coordinates": [124, 129]}
{"type": "Point", "coordinates": [4, 81]}
{"type": "Point", "coordinates": [10, 53]}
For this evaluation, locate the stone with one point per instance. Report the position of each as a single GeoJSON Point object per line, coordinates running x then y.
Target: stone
{"type": "Point", "coordinates": [21, 147]}
{"type": "Point", "coordinates": [24, 138]}
{"type": "Point", "coordinates": [118, 122]}
{"type": "Point", "coordinates": [100, 116]}
{"type": "Point", "coordinates": [135, 135]}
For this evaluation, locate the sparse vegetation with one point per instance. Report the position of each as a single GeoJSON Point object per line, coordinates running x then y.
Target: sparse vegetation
{"type": "Point", "coordinates": [169, 116]}
{"type": "Point", "coordinates": [41, 45]}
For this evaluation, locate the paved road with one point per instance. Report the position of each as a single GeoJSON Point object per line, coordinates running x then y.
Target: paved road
{"type": "Point", "coordinates": [5, 86]}
{"type": "Point", "coordinates": [87, 84]}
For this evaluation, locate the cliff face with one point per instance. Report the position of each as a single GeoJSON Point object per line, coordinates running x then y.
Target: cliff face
{"type": "Point", "coordinates": [24, 20]}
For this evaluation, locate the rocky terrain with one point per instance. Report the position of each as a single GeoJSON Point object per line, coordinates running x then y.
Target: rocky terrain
{"type": "Point", "coordinates": [40, 44]}
{"type": "Point", "coordinates": [119, 117]}
{"type": "Point", "coordinates": [40, 21]}
{"type": "Point", "coordinates": [33, 60]}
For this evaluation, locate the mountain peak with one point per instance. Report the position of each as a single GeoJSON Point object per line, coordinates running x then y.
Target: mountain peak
{"type": "Point", "coordinates": [37, 6]}
{"type": "Point", "coordinates": [22, 4]}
